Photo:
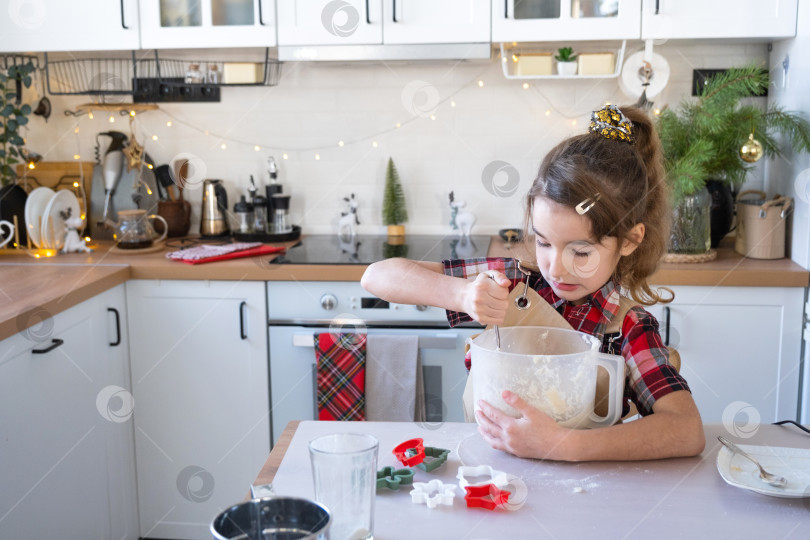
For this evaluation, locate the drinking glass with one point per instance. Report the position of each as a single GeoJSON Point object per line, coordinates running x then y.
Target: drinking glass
{"type": "Point", "coordinates": [344, 469]}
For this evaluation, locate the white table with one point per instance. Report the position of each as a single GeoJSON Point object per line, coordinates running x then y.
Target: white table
{"type": "Point", "coordinates": [672, 498]}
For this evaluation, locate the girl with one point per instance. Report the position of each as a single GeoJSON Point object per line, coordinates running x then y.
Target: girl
{"type": "Point", "coordinates": [598, 211]}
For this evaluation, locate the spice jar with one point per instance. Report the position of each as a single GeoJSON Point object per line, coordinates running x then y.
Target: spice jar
{"type": "Point", "coordinates": [193, 75]}
{"type": "Point", "coordinates": [243, 211]}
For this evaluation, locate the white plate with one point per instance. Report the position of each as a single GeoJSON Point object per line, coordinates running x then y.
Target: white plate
{"type": "Point", "coordinates": [792, 463]}
{"type": "Point", "coordinates": [53, 234]}
{"type": "Point", "coordinates": [34, 210]}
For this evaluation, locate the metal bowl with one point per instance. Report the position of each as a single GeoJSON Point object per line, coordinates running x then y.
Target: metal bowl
{"type": "Point", "coordinates": [273, 518]}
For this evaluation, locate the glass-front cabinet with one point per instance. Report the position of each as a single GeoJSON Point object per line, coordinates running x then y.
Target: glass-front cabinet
{"type": "Point", "coordinates": [565, 20]}
{"type": "Point", "coordinates": [176, 24]}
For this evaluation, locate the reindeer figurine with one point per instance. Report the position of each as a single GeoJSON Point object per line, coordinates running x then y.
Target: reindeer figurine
{"type": "Point", "coordinates": [348, 219]}
{"type": "Point", "coordinates": [73, 243]}
{"type": "Point", "coordinates": [460, 221]}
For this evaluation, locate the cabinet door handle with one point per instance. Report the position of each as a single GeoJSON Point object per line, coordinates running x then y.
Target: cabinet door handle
{"type": "Point", "coordinates": [123, 23]}
{"type": "Point", "coordinates": [54, 344]}
{"type": "Point", "coordinates": [666, 329]}
{"type": "Point", "coordinates": [395, 10]}
{"type": "Point", "coordinates": [368, 18]}
{"type": "Point", "coordinates": [657, 6]}
{"type": "Point", "coordinates": [505, 9]}
{"type": "Point", "coordinates": [261, 18]}
{"type": "Point", "coordinates": [242, 333]}
{"type": "Point", "coordinates": [117, 341]}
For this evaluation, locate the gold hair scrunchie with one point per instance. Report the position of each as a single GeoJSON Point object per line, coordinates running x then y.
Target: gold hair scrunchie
{"type": "Point", "coordinates": [611, 123]}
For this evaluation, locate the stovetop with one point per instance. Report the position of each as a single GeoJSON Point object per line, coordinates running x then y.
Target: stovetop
{"type": "Point", "coordinates": [367, 249]}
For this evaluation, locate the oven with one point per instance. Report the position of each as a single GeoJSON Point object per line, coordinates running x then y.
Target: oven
{"type": "Point", "coordinates": [299, 310]}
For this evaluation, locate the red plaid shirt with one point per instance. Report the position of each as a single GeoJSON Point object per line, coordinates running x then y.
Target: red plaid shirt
{"type": "Point", "coordinates": [650, 376]}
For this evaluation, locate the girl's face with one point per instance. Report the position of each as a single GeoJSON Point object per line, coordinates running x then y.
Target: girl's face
{"type": "Point", "coordinates": [570, 259]}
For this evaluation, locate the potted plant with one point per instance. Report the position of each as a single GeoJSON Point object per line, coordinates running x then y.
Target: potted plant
{"type": "Point", "coordinates": [566, 61]}
{"type": "Point", "coordinates": [394, 212]}
{"type": "Point", "coordinates": [13, 114]}
{"type": "Point", "coordinates": [711, 142]}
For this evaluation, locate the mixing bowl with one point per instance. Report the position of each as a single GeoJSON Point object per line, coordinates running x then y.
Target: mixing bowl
{"type": "Point", "coordinates": [553, 369]}
{"type": "Point", "coordinates": [273, 518]}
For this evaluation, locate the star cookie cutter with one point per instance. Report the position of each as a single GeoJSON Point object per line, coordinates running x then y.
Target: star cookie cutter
{"type": "Point", "coordinates": [438, 455]}
{"type": "Point", "coordinates": [391, 478]}
{"type": "Point", "coordinates": [487, 496]}
{"type": "Point", "coordinates": [418, 455]}
{"type": "Point", "coordinates": [465, 472]}
{"type": "Point", "coordinates": [433, 493]}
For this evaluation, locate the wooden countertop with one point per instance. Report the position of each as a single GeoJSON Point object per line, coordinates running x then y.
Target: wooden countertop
{"type": "Point", "coordinates": [729, 269]}
{"type": "Point", "coordinates": [29, 291]}
{"type": "Point", "coordinates": [60, 282]}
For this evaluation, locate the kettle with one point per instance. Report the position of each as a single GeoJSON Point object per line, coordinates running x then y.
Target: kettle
{"type": "Point", "coordinates": [214, 217]}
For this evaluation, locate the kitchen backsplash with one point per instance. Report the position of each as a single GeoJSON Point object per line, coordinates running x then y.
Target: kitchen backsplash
{"type": "Point", "coordinates": [449, 126]}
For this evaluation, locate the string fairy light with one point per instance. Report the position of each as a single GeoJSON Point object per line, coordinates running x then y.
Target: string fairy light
{"type": "Point", "coordinates": [373, 137]}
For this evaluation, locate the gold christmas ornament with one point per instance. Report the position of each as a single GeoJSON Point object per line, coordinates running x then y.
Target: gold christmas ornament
{"type": "Point", "coordinates": [751, 150]}
{"type": "Point", "coordinates": [134, 155]}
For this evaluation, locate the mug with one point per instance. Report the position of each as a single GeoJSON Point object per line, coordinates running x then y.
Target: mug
{"type": "Point", "coordinates": [10, 232]}
{"type": "Point", "coordinates": [177, 215]}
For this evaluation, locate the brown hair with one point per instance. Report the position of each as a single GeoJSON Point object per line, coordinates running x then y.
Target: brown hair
{"type": "Point", "coordinates": [629, 179]}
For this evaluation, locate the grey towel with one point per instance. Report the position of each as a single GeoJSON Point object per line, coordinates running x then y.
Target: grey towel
{"type": "Point", "coordinates": [394, 386]}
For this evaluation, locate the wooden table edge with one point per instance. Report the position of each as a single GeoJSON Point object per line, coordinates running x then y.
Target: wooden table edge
{"type": "Point", "coordinates": [270, 467]}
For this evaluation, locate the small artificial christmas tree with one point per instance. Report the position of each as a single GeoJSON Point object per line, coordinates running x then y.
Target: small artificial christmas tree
{"type": "Point", "coordinates": [394, 212]}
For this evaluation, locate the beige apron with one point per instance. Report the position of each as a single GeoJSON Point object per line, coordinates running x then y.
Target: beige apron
{"type": "Point", "coordinates": [541, 313]}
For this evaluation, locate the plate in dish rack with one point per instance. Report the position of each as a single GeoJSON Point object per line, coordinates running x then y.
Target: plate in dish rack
{"type": "Point", "coordinates": [792, 463]}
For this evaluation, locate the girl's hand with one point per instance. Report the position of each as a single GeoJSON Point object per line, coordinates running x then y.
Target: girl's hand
{"type": "Point", "coordinates": [533, 435]}
{"type": "Point", "coordinates": [485, 298]}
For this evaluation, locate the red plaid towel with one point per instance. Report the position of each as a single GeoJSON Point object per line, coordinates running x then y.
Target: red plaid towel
{"type": "Point", "coordinates": [341, 376]}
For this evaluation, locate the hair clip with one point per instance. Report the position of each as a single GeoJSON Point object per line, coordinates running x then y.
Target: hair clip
{"type": "Point", "coordinates": [587, 204]}
{"type": "Point", "coordinates": [611, 123]}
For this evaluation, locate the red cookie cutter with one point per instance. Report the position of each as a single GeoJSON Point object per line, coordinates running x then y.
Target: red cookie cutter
{"type": "Point", "coordinates": [409, 461]}
{"type": "Point", "coordinates": [486, 496]}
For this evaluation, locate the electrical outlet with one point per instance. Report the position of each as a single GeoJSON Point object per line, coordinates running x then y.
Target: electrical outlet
{"type": "Point", "coordinates": [700, 76]}
{"type": "Point", "coordinates": [173, 91]}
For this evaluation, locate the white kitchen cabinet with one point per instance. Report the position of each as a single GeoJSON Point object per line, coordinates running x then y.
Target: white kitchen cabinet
{"type": "Point", "coordinates": [200, 382]}
{"type": "Point", "coordinates": [56, 25]}
{"type": "Point", "coordinates": [694, 19]}
{"type": "Point", "coordinates": [740, 348]}
{"type": "Point", "coordinates": [565, 20]}
{"type": "Point", "coordinates": [188, 24]}
{"type": "Point", "coordinates": [66, 440]}
{"type": "Point", "coordinates": [376, 22]}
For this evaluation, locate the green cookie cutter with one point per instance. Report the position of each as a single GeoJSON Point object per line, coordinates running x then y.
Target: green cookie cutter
{"type": "Point", "coordinates": [439, 456]}
{"type": "Point", "coordinates": [391, 478]}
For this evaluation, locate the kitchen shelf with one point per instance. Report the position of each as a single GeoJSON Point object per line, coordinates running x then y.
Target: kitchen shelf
{"type": "Point", "coordinates": [511, 54]}
{"type": "Point", "coordinates": [172, 71]}
{"type": "Point", "coordinates": [115, 76]}
{"type": "Point", "coordinates": [120, 76]}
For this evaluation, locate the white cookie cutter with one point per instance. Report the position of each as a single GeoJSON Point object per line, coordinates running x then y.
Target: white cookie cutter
{"type": "Point", "coordinates": [433, 493]}
{"type": "Point", "coordinates": [498, 478]}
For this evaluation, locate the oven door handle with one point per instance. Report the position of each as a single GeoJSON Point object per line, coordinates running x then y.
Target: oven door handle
{"type": "Point", "coordinates": [439, 341]}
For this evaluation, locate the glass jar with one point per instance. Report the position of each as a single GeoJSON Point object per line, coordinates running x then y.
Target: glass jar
{"type": "Point", "coordinates": [691, 221]}
{"type": "Point", "coordinates": [193, 74]}
{"type": "Point", "coordinates": [212, 75]}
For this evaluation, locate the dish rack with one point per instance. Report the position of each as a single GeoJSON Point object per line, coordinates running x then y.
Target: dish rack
{"type": "Point", "coordinates": [173, 71]}
{"type": "Point", "coordinates": [511, 55]}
